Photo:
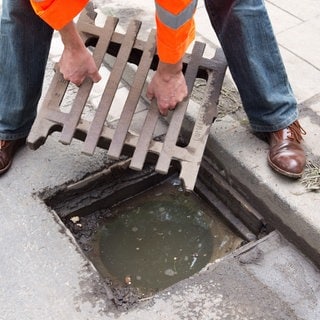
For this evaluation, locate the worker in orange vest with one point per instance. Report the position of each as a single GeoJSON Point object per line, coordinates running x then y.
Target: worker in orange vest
{"type": "Point", "coordinates": [245, 34]}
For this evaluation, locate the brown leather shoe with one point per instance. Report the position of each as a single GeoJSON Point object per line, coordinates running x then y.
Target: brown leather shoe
{"type": "Point", "coordinates": [286, 155]}
{"type": "Point", "coordinates": [8, 149]}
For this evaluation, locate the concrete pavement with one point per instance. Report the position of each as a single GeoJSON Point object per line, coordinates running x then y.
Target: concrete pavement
{"type": "Point", "coordinates": [43, 274]}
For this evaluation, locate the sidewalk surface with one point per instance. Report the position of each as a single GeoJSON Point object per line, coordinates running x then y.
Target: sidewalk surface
{"type": "Point", "coordinates": [43, 274]}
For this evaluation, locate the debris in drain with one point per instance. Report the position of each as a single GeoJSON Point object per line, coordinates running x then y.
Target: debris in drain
{"type": "Point", "coordinates": [124, 297]}
{"type": "Point", "coordinates": [75, 219]}
{"type": "Point", "coordinates": [127, 280]}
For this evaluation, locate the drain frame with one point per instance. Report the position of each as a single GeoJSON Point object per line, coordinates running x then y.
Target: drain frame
{"type": "Point", "coordinates": [120, 171]}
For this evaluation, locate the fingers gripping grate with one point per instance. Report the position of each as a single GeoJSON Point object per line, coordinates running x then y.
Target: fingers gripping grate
{"type": "Point", "coordinates": [117, 139]}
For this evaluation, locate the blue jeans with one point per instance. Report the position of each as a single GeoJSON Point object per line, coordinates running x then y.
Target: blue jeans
{"type": "Point", "coordinates": [246, 36]}
{"type": "Point", "coordinates": [24, 47]}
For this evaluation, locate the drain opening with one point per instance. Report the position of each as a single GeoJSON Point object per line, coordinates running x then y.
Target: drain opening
{"type": "Point", "coordinates": [141, 231]}
{"type": "Point", "coordinates": [159, 238]}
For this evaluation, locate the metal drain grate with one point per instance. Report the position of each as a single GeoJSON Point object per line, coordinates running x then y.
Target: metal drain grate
{"type": "Point", "coordinates": [127, 48]}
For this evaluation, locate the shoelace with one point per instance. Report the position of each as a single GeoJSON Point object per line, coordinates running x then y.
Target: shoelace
{"type": "Point", "coordinates": [296, 132]}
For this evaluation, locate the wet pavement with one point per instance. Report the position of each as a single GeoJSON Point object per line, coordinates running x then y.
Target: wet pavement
{"type": "Point", "coordinates": [44, 275]}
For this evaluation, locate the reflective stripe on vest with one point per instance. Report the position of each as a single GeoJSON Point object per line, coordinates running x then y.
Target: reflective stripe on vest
{"type": "Point", "coordinates": [176, 21]}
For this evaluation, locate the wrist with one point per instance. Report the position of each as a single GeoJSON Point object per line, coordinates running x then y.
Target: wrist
{"type": "Point", "coordinates": [167, 70]}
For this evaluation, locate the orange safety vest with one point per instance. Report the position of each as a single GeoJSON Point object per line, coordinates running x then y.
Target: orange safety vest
{"type": "Point", "coordinates": [57, 13]}
{"type": "Point", "coordinates": [175, 28]}
{"type": "Point", "coordinates": [174, 19]}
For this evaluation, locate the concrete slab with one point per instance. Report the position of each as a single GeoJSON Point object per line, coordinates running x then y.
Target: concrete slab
{"type": "Point", "coordinates": [301, 39]}
{"type": "Point", "coordinates": [281, 19]}
{"type": "Point", "coordinates": [304, 77]}
{"type": "Point", "coordinates": [303, 10]}
{"type": "Point", "coordinates": [43, 274]}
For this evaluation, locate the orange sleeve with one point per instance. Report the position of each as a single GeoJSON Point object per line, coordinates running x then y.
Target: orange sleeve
{"type": "Point", "coordinates": [57, 13]}
{"type": "Point", "coordinates": [175, 28]}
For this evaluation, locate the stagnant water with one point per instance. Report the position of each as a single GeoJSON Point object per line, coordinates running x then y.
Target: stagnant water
{"type": "Point", "coordinates": [159, 238]}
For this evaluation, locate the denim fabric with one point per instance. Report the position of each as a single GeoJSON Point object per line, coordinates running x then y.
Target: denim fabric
{"type": "Point", "coordinates": [24, 46]}
{"type": "Point", "coordinates": [246, 36]}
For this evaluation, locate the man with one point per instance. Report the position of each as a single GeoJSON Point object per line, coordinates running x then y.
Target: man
{"type": "Point", "coordinates": [265, 92]}
{"type": "Point", "coordinates": [24, 47]}
{"type": "Point", "coordinates": [246, 36]}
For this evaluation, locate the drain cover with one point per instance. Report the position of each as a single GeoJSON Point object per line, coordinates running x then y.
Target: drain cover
{"type": "Point", "coordinates": [127, 48]}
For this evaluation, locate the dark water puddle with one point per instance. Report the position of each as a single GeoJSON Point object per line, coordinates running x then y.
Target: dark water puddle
{"type": "Point", "coordinates": [159, 238]}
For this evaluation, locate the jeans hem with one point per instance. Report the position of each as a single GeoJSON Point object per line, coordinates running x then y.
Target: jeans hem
{"type": "Point", "coordinates": [270, 128]}
{"type": "Point", "coordinates": [13, 136]}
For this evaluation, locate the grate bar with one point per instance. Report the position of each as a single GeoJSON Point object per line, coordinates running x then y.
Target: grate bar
{"type": "Point", "coordinates": [207, 113]}
{"type": "Point", "coordinates": [111, 88]}
{"type": "Point", "coordinates": [145, 137]}
{"type": "Point", "coordinates": [178, 116]}
{"type": "Point", "coordinates": [84, 90]}
{"type": "Point", "coordinates": [133, 98]}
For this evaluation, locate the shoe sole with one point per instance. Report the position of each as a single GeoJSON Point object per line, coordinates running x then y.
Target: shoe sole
{"type": "Point", "coordinates": [5, 169]}
{"type": "Point", "coordinates": [283, 172]}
